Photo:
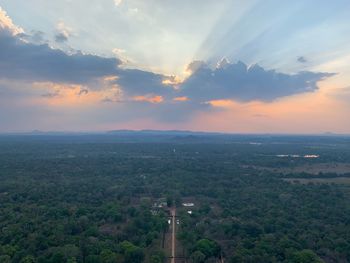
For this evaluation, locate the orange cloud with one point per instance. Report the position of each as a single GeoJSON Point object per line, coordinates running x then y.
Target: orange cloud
{"type": "Point", "coordinates": [110, 78]}
{"type": "Point", "coordinates": [172, 80]}
{"type": "Point", "coordinates": [181, 99]}
{"type": "Point", "coordinates": [56, 94]}
{"type": "Point", "coordinates": [221, 103]}
{"type": "Point", "coordinates": [150, 99]}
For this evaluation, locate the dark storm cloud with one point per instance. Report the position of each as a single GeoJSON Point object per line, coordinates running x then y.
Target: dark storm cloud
{"type": "Point", "coordinates": [239, 82]}
{"type": "Point", "coordinates": [23, 60]}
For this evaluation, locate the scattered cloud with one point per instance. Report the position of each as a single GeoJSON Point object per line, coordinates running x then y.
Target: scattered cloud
{"type": "Point", "coordinates": [35, 37]}
{"type": "Point", "coordinates": [50, 95]}
{"type": "Point", "coordinates": [223, 63]}
{"type": "Point", "coordinates": [60, 38]}
{"type": "Point", "coordinates": [6, 24]}
{"type": "Point", "coordinates": [302, 59]}
{"type": "Point", "coordinates": [121, 54]}
{"type": "Point", "coordinates": [63, 32]}
{"type": "Point", "coordinates": [183, 98]}
{"type": "Point", "coordinates": [119, 51]}
{"type": "Point", "coordinates": [195, 65]}
{"type": "Point", "coordinates": [118, 2]}
{"type": "Point", "coordinates": [67, 95]}
{"type": "Point", "coordinates": [221, 103]}
{"type": "Point", "coordinates": [172, 81]}
{"type": "Point", "coordinates": [83, 92]}
{"type": "Point", "coordinates": [133, 11]}
{"type": "Point", "coordinates": [149, 98]}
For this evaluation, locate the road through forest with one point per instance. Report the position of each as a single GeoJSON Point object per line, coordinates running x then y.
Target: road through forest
{"type": "Point", "coordinates": [173, 235]}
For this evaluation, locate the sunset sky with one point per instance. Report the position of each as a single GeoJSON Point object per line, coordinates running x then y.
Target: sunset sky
{"type": "Point", "coordinates": [253, 66]}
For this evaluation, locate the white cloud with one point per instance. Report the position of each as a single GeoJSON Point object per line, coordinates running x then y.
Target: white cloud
{"type": "Point", "coordinates": [118, 51]}
{"type": "Point", "coordinates": [133, 11]}
{"type": "Point", "coordinates": [7, 24]}
{"type": "Point", "coordinates": [63, 32]}
{"type": "Point", "coordinates": [118, 2]}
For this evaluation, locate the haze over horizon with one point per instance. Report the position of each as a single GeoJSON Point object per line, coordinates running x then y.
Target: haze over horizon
{"type": "Point", "coordinates": [230, 66]}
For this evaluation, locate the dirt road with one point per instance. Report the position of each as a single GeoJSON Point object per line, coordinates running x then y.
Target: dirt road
{"type": "Point", "coordinates": [173, 235]}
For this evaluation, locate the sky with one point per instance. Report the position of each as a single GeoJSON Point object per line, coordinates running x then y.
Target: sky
{"type": "Point", "coordinates": [254, 66]}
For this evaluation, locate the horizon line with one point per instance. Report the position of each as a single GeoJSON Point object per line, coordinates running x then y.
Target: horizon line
{"type": "Point", "coordinates": [198, 132]}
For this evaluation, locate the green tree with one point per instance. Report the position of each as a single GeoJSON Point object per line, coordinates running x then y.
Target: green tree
{"type": "Point", "coordinates": [132, 253]}
{"type": "Point", "coordinates": [28, 259]}
{"type": "Point", "coordinates": [305, 256]}
{"type": "Point", "coordinates": [93, 259]}
{"type": "Point", "coordinates": [198, 257]}
{"type": "Point", "coordinates": [158, 257]}
{"type": "Point", "coordinates": [169, 201]}
{"type": "Point", "coordinates": [135, 255]}
{"type": "Point", "coordinates": [8, 250]}
{"type": "Point", "coordinates": [208, 247]}
{"type": "Point", "coordinates": [155, 259]}
{"type": "Point", "coordinates": [57, 257]}
{"type": "Point", "coordinates": [107, 256]}
{"type": "Point", "coordinates": [72, 260]}
{"type": "Point", "coordinates": [5, 259]}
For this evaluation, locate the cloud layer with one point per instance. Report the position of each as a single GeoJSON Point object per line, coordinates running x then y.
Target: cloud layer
{"type": "Point", "coordinates": [23, 60]}
{"type": "Point", "coordinates": [138, 92]}
{"type": "Point", "coordinates": [237, 81]}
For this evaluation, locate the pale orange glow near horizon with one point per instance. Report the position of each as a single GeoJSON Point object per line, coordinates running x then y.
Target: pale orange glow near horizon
{"type": "Point", "coordinates": [322, 110]}
{"type": "Point", "coordinates": [71, 96]}
{"type": "Point", "coordinates": [303, 113]}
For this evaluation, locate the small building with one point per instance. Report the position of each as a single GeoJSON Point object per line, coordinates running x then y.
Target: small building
{"type": "Point", "coordinates": [160, 204]}
{"type": "Point", "coordinates": [188, 204]}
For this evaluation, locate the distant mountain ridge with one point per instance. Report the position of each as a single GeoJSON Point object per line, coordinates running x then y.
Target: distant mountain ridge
{"type": "Point", "coordinates": [168, 132]}
{"type": "Point", "coordinates": [150, 132]}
